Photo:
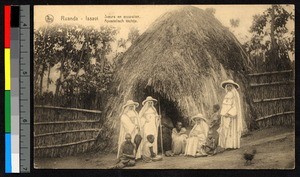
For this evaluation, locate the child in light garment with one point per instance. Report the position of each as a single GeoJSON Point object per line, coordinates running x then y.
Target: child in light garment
{"type": "Point", "coordinates": [147, 152]}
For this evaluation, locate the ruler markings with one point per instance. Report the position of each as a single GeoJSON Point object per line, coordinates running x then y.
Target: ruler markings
{"type": "Point", "coordinates": [25, 88]}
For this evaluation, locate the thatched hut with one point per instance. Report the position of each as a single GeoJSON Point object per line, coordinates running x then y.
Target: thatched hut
{"type": "Point", "coordinates": [181, 59]}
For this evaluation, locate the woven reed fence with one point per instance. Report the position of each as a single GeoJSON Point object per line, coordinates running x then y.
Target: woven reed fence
{"type": "Point", "coordinates": [60, 131]}
{"type": "Point", "coordinates": [273, 97]}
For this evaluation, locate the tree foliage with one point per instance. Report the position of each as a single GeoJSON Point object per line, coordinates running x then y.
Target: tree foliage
{"type": "Point", "coordinates": [211, 11]}
{"type": "Point", "coordinates": [133, 34]}
{"type": "Point", "coordinates": [271, 38]}
{"type": "Point", "coordinates": [234, 23]}
{"type": "Point", "coordinates": [78, 54]}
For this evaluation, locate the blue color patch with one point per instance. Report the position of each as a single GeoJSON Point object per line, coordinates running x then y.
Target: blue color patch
{"type": "Point", "coordinates": [8, 153]}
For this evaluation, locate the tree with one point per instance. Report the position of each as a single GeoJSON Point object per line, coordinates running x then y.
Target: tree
{"type": "Point", "coordinates": [43, 55]}
{"type": "Point", "coordinates": [133, 34]}
{"type": "Point", "coordinates": [122, 43]}
{"type": "Point", "coordinates": [211, 11]}
{"type": "Point", "coordinates": [234, 23]}
{"type": "Point", "coordinates": [71, 49]}
{"type": "Point", "coordinates": [271, 37]}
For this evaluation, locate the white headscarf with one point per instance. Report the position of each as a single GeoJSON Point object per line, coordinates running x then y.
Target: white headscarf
{"type": "Point", "coordinates": [147, 108]}
{"type": "Point", "coordinates": [128, 112]}
{"type": "Point", "coordinates": [200, 126]}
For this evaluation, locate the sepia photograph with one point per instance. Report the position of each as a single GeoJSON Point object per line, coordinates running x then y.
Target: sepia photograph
{"type": "Point", "coordinates": [164, 86]}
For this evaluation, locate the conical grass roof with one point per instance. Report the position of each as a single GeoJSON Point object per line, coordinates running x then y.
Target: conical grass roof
{"type": "Point", "coordinates": [183, 57]}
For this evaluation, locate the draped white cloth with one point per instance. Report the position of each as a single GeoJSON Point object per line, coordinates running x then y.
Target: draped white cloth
{"type": "Point", "coordinates": [231, 126]}
{"type": "Point", "coordinates": [178, 141]}
{"type": "Point", "coordinates": [129, 124]}
{"type": "Point", "coordinates": [197, 138]}
{"type": "Point", "coordinates": [149, 123]}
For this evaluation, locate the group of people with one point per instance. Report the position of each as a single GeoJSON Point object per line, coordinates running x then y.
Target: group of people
{"type": "Point", "coordinates": [202, 139]}
{"type": "Point", "coordinates": [207, 137]}
{"type": "Point", "coordinates": [139, 131]}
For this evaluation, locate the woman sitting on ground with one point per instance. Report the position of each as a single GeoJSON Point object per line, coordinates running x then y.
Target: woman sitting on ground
{"type": "Point", "coordinates": [197, 137]}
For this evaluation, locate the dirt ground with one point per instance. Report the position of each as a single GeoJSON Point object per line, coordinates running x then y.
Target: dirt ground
{"type": "Point", "coordinates": [275, 150]}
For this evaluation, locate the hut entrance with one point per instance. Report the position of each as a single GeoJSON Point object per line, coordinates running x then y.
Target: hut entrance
{"type": "Point", "coordinates": [170, 115]}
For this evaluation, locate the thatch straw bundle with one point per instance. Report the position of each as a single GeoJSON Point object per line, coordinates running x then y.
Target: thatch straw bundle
{"type": "Point", "coordinates": [181, 59]}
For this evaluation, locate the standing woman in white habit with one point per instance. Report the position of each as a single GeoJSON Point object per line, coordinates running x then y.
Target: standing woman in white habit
{"type": "Point", "coordinates": [150, 120]}
{"type": "Point", "coordinates": [129, 123]}
{"type": "Point", "coordinates": [231, 126]}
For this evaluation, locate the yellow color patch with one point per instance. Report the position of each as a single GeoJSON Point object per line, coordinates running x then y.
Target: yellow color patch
{"type": "Point", "coordinates": [7, 68]}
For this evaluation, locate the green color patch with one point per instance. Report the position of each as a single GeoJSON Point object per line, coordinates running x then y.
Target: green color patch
{"type": "Point", "coordinates": [7, 112]}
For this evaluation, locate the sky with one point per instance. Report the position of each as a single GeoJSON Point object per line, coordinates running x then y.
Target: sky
{"type": "Point", "coordinates": [143, 15]}
{"type": "Point", "coordinates": [147, 14]}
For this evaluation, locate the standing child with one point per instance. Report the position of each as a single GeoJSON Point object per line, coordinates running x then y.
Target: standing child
{"type": "Point", "coordinates": [148, 154]}
{"type": "Point", "coordinates": [127, 153]}
{"type": "Point", "coordinates": [215, 122]}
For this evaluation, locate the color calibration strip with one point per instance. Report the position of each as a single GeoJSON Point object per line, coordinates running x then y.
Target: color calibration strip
{"type": "Point", "coordinates": [7, 94]}
{"type": "Point", "coordinates": [17, 88]}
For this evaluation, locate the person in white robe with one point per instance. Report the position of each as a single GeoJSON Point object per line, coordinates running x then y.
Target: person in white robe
{"type": "Point", "coordinates": [150, 121]}
{"type": "Point", "coordinates": [129, 123]}
{"type": "Point", "coordinates": [197, 137]}
{"type": "Point", "coordinates": [231, 126]}
{"type": "Point", "coordinates": [179, 137]}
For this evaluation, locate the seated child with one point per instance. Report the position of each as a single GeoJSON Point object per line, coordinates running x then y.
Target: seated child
{"type": "Point", "coordinates": [147, 152]}
{"type": "Point", "coordinates": [127, 153]}
{"type": "Point", "coordinates": [215, 122]}
{"type": "Point", "coordinates": [210, 145]}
